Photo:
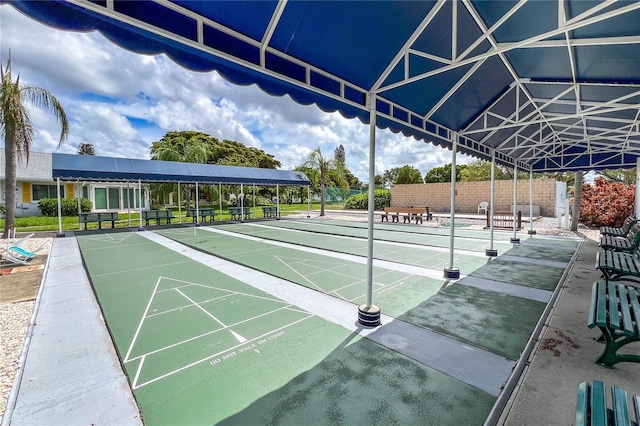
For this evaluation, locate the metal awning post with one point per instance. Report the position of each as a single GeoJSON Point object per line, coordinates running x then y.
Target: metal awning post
{"type": "Point", "coordinates": [492, 252]}
{"type": "Point", "coordinates": [277, 201]}
{"type": "Point", "coordinates": [515, 239]}
{"type": "Point", "coordinates": [60, 234]}
{"type": "Point", "coordinates": [369, 314]}
{"type": "Point", "coordinates": [179, 205]}
{"type": "Point", "coordinates": [452, 272]}
{"type": "Point", "coordinates": [531, 231]}
{"type": "Point", "coordinates": [241, 203]}
{"type": "Point", "coordinates": [197, 206]}
{"type": "Point", "coordinates": [254, 198]}
{"type": "Point", "coordinates": [308, 201]}
{"type": "Point", "coordinates": [140, 228]}
{"type": "Point", "coordinates": [129, 204]}
{"type": "Point", "coordinates": [220, 198]}
{"type": "Point", "coordinates": [78, 192]}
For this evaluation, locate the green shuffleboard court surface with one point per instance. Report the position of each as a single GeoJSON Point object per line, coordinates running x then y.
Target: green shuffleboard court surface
{"type": "Point", "coordinates": [400, 294]}
{"type": "Point", "coordinates": [202, 347]}
{"type": "Point", "coordinates": [418, 255]}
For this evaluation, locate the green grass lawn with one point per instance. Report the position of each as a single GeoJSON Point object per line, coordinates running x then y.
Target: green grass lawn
{"type": "Point", "coordinates": [70, 223]}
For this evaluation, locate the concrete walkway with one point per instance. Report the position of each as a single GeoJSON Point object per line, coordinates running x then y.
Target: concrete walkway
{"type": "Point", "coordinates": [563, 358]}
{"type": "Point", "coordinates": [70, 373]}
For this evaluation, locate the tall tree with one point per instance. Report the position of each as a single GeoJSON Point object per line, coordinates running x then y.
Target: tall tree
{"type": "Point", "coordinates": [577, 202]}
{"type": "Point", "coordinates": [443, 174]}
{"type": "Point", "coordinates": [86, 149]}
{"type": "Point", "coordinates": [339, 154]}
{"type": "Point", "coordinates": [184, 147]}
{"type": "Point", "coordinates": [17, 130]}
{"type": "Point", "coordinates": [323, 166]}
{"type": "Point", "coordinates": [408, 174]}
{"type": "Point", "coordinates": [626, 176]}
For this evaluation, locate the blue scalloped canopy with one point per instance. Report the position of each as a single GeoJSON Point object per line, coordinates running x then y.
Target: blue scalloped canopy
{"type": "Point", "coordinates": [548, 85]}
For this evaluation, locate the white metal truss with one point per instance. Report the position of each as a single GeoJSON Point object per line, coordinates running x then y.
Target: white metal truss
{"type": "Point", "coordinates": [538, 129]}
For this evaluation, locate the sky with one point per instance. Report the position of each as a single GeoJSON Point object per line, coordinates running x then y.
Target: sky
{"type": "Point", "coordinates": [122, 102]}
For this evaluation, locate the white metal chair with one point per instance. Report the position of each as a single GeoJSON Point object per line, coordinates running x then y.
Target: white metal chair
{"type": "Point", "coordinates": [483, 206]}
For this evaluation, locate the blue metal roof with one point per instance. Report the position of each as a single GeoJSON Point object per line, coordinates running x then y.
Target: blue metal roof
{"type": "Point", "coordinates": [549, 85]}
{"type": "Point", "coordinates": [95, 168]}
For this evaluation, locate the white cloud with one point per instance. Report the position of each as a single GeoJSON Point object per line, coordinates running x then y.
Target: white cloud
{"type": "Point", "coordinates": [121, 102]}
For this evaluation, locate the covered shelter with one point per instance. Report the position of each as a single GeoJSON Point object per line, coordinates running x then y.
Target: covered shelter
{"type": "Point", "coordinates": [76, 168]}
{"type": "Point", "coordinates": [539, 86]}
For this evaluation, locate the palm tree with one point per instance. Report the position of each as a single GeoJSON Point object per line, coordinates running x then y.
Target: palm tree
{"type": "Point", "coordinates": [17, 130]}
{"type": "Point", "coordinates": [185, 147]}
{"type": "Point", "coordinates": [322, 165]}
{"type": "Point", "coordinates": [577, 201]}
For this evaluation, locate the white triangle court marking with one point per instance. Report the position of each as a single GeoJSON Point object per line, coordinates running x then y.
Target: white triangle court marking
{"type": "Point", "coordinates": [236, 335]}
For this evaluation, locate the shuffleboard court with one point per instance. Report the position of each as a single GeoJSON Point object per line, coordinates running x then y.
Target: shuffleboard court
{"type": "Point", "coordinates": [403, 236]}
{"type": "Point", "coordinates": [201, 347]}
{"type": "Point", "coordinates": [398, 293]}
{"type": "Point", "coordinates": [410, 254]}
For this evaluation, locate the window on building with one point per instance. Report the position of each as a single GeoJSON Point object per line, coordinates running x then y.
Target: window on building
{"type": "Point", "coordinates": [46, 191]}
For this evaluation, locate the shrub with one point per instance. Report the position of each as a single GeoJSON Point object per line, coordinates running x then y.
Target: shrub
{"type": "Point", "coordinates": [69, 207]}
{"type": "Point", "coordinates": [382, 199]}
{"type": "Point", "coordinates": [606, 203]}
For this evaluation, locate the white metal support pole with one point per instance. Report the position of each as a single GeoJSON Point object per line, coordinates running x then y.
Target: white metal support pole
{"type": "Point", "coordinates": [254, 198]}
{"type": "Point", "coordinates": [492, 252]}
{"type": "Point", "coordinates": [129, 197]}
{"type": "Point", "coordinates": [197, 206]}
{"type": "Point", "coordinates": [452, 272]}
{"type": "Point", "coordinates": [531, 231]}
{"type": "Point", "coordinates": [140, 198]}
{"type": "Point", "coordinates": [179, 205]}
{"type": "Point", "coordinates": [515, 239]}
{"type": "Point", "coordinates": [60, 234]}
{"type": "Point", "coordinates": [79, 194]}
{"type": "Point", "coordinates": [277, 201]}
{"type": "Point", "coordinates": [220, 197]}
{"type": "Point", "coordinates": [241, 203]}
{"type": "Point", "coordinates": [369, 314]}
{"type": "Point", "coordinates": [308, 201]}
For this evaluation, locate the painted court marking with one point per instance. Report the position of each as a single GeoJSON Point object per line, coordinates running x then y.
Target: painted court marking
{"type": "Point", "coordinates": [219, 326]}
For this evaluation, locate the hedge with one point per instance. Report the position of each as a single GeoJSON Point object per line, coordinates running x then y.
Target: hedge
{"type": "Point", "coordinates": [382, 199]}
{"type": "Point", "coordinates": [49, 206]}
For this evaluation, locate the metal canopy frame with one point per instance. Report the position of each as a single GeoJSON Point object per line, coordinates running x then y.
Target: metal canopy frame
{"type": "Point", "coordinates": [545, 85]}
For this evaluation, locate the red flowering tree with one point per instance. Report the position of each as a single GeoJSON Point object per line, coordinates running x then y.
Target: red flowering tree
{"type": "Point", "coordinates": [606, 203]}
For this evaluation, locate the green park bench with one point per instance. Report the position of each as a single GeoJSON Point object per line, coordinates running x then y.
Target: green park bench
{"type": "Point", "coordinates": [627, 244]}
{"type": "Point", "coordinates": [615, 310]}
{"type": "Point", "coordinates": [615, 265]}
{"type": "Point", "coordinates": [270, 211]}
{"type": "Point", "coordinates": [235, 213]}
{"type": "Point", "coordinates": [204, 214]}
{"type": "Point", "coordinates": [99, 218]}
{"type": "Point", "coordinates": [622, 231]}
{"type": "Point", "coordinates": [157, 215]}
{"type": "Point", "coordinates": [593, 409]}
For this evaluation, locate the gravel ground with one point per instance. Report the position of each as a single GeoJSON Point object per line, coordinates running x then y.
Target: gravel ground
{"type": "Point", "coordinates": [14, 321]}
{"type": "Point", "coordinates": [15, 317]}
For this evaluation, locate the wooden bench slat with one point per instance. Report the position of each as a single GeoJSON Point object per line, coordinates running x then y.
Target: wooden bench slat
{"type": "Point", "coordinates": [582, 406]}
{"type": "Point", "coordinates": [598, 403]}
{"type": "Point", "coordinates": [625, 311]}
{"type": "Point", "coordinates": [613, 304]}
{"type": "Point", "coordinates": [601, 304]}
{"type": "Point", "coordinates": [620, 407]}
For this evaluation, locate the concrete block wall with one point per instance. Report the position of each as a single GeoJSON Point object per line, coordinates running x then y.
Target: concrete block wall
{"type": "Point", "coordinates": [469, 194]}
